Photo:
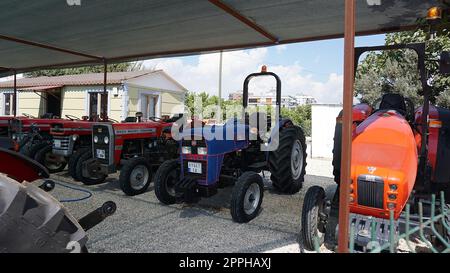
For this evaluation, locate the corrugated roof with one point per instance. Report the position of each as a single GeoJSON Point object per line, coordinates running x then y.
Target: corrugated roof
{"type": "Point", "coordinates": [80, 79]}
{"type": "Point", "coordinates": [119, 30]}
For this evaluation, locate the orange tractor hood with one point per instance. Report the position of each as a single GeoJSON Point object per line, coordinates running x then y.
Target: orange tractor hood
{"type": "Point", "coordinates": [384, 152]}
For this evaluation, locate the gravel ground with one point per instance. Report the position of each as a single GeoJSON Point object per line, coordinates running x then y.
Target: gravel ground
{"type": "Point", "coordinates": [142, 224]}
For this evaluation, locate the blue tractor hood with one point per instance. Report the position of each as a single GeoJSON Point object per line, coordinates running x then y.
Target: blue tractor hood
{"type": "Point", "coordinates": [220, 139]}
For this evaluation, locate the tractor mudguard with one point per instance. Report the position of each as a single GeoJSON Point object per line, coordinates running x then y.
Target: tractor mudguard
{"type": "Point", "coordinates": [20, 167]}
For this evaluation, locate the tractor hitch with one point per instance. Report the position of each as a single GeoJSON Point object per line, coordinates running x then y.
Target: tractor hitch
{"type": "Point", "coordinates": [98, 215]}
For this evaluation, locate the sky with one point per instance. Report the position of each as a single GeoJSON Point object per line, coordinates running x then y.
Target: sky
{"type": "Point", "coordinates": [313, 68]}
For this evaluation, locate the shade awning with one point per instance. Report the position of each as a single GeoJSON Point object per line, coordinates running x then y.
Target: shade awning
{"type": "Point", "coordinates": [49, 33]}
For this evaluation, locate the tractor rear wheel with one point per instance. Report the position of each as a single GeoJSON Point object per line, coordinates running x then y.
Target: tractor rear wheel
{"type": "Point", "coordinates": [54, 163]}
{"type": "Point", "coordinates": [246, 198]}
{"type": "Point", "coordinates": [313, 218]}
{"type": "Point", "coordinates": [79, 171]}
{"type": "Point", "coordinates": [33, 221]}
{"type": "Point", "coordinates": [167, 175]}
{"type": "Point", "coordinates": [287, 164]}
{"type": "Point", "coordinates": [72, 165]}
{"type": "Point", "coordinates": [135, 176]}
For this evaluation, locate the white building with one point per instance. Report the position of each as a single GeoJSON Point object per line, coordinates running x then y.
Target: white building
{"type": "Point", "coordinates": [323, 119]}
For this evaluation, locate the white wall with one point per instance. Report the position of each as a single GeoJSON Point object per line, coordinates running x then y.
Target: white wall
{"type": "Point", "coordinates": [323, 122]}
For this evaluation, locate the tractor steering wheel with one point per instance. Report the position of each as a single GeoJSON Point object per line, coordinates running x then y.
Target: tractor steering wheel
{"type": "Point", "coordinates": [28, 115]}
{"type": "Point", "coordinates": [155, 119]}
{"type": "Point", "coordinates": [72, 118]}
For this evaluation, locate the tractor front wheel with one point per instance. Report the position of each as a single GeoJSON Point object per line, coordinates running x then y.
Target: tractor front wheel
{"type": "Point", "coordinates": [247, 197]}
{"type": "Point", "coordinates": [79, 171]}
{"type": "Point", "coordinates": [72, 165]}
{"type": "Point", "coordinates": [313, 218]}
{"type": "Point", "coordinates": [167, 175]}
{"type": "Point", "coordinates": [287, 163]}
{"type": "Point", "coordinates": [54, 163]}
{"type": "Point", "coordinates": [135, 176]}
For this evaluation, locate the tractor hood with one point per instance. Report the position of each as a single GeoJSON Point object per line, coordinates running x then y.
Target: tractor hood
{"type": "Point", "coordinates": [220, 139]}
{"type": "Point", "coordinates": [384, 153]}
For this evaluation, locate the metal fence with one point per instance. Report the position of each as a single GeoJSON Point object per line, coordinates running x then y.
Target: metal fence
{"type": "Point", "coordinates": [421, 233]}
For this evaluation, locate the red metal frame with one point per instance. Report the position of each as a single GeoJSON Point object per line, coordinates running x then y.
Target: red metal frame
{"type": "Point", "coordinates": [244, 19]}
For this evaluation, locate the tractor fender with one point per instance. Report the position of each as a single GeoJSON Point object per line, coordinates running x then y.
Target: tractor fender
{"type": "Point", "coordinates": [20, 167]}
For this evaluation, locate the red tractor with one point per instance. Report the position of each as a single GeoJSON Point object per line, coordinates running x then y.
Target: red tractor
{"type": "Point", "coordinates": [136, 149]}
{"type": "Point", "coordinates": [400, 156]}
{"type": "Point", "coordinates": [71, 138]}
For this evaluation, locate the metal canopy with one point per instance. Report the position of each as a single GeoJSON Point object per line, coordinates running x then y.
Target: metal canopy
{"type": "Point", "coordinates": [50, 33]}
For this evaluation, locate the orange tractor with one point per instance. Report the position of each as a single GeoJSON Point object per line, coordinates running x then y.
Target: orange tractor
{"type": "Point", "coordinates": [400, 155]}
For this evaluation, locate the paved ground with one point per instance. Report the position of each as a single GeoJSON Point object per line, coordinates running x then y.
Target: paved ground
{"type": "Point", "coordinates": [142, 224]}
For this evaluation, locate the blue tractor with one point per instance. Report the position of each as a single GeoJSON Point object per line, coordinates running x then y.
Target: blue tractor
{"type": "Point", "coordinates": [206, 164]}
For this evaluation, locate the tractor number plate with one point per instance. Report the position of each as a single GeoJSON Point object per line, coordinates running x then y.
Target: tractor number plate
{"type": "Point", "coordinates": [57, 143]}
{"type": "Point", "coordinates": [100, 153]}
{"type": "Point", "coordinates": [195, 167]}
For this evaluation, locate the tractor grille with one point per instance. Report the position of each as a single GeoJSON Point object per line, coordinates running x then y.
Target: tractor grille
{"type": "Point", "coordinates": [370, 191]}
{"type": "Point", "coordinates": [62, 145]}
{"type": "Point", "coordinates": [101, 151]}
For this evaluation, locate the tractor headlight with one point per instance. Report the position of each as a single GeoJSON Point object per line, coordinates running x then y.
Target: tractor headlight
{"type": "Point", "coordinates": [186, 150]}
{"type": "Point", "coordinates": [14, 137]}
{"type": "Point", "coordinates": [202, 150]}
{"type": "Point", "coordinates": [393, 187]}
{"type": "Point", "coordinates": [74, 137]}
{"type": "Point", "coordinates": [106, 140]}
{"type": "Point", "coordinates": [392, 196]}
{"type": "Point", "coordinates": [95, 139]}
{"type": "Point", "coordinates": [391, 206]}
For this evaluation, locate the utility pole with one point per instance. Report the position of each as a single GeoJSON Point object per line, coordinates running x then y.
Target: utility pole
{"type": "Point", "coordinates": [219, 118]}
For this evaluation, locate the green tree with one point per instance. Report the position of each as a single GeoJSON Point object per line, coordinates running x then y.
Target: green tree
{"type": "Point", "coordinates": [119, 67]}
{"type": "Point", "coordinates": [300, 115]}
{"type": "Point", "coordinates": [396, 71]}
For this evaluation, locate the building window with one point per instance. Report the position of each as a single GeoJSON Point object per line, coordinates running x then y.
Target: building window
{"type": "Point", "coordinates": [8, 103]}
{"type": "Point", "coordinates": [95, 103]}
{"type": "Point", "coordinates": [149, 106]}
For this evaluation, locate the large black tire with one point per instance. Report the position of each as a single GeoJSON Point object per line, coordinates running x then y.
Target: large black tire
{"type": "Point", "coordinates": [72, 165]}
{"type": "Point", "coordinates": [135, 176]}
{"type": "Point", "coordinates": [30, 151]}
{"type": "Point", "coordinates": [313, 205]}
{"type": "Point", "coordinates": [167, 175]}
{"type": "Point", "coordinates": [53, 163]}
{"type": "Point", "coordinates": [79, 171]}
{"type": "Point", "coordinates": [287, 174]}
{"type": "Point", "coordinates": [31, 220]}
{"type": "Point", "coordinates": [337, 142]}
{"type": "Point", "coordinates": [246, 198]}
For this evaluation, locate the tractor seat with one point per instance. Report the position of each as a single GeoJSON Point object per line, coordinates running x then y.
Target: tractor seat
{"type": "Point", "coordinates": [393, 102]}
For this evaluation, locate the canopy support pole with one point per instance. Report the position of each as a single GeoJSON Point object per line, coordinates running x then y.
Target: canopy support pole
{"type": "Point", "coordinates": [104, 97]}
{"type": "Point", "coordinates": [15, 94]}
{"type": "Point", "coordinates": [349, 68]}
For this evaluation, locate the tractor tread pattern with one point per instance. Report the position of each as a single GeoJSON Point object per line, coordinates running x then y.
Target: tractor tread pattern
{"type": "Point", "coordinates": [310, 216]}
{"type": "Point", "coordinates": [32, 221]}
{"type": "Point", "coordinates": [279, 161]}
{"type": "Point", "coordinates": [160, 187]}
